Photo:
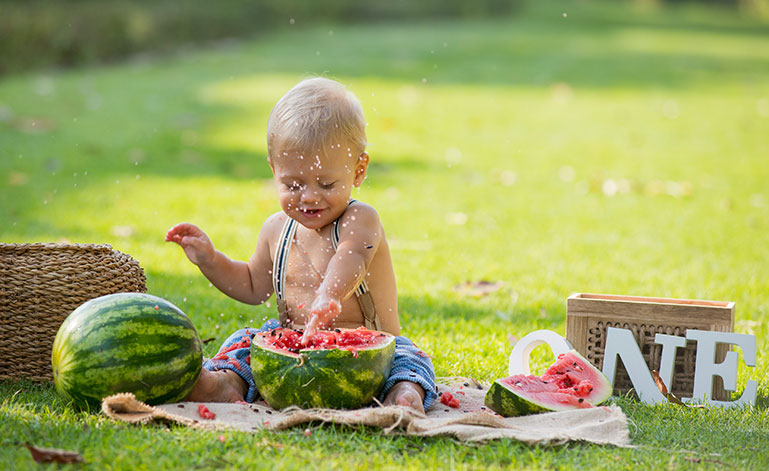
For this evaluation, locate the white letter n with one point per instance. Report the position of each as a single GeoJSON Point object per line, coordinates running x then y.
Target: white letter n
{"type": "Point", "coordinates": [621, 343]}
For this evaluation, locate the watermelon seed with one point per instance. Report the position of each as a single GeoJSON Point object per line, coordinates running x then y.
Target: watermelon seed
{"type": "Point", "coordinates": [180, 406]}
{"type": "Point", "coordinates": [581, 400]}
{"type": "Point", "coordinates": [467, 384]}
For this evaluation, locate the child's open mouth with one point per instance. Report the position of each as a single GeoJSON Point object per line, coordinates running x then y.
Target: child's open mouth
{"type": "Point", "coordinates": [310, 212]}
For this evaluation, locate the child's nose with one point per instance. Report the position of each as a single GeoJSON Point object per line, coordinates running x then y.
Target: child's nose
{"type": "Point", "coordinates": [309, 196]}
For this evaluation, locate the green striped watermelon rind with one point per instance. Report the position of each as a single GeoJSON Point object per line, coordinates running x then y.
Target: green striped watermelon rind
{"type": "Point", "coordinates": [509, 402]}
{"type": "Point", "coordinates": [333, 378]}
{"type": "Point", "coordinates": [126, 342]}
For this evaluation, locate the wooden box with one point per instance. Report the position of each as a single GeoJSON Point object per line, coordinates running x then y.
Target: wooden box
{"type": "Point", "coordinates": [589, 315]}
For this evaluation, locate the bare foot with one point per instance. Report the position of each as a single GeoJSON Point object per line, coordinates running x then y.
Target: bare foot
{"type": "Point", "coordinates": [218, 386]}
{"type": "Point", "coordinates": [406, 393]}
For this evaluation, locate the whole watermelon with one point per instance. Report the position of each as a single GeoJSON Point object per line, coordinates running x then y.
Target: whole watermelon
{"type": "Point", "coordinates": [126, 342]}
{"type": "Point", "coordinates": [339, 369]}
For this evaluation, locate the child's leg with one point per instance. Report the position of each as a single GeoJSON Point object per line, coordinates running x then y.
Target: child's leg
{"type": "Point", "coordinates": [411, 364]}
{"type": "Point", "coordinates": [235, 355]}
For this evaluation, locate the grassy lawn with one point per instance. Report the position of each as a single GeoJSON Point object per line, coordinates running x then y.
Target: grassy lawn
{"type": "Point", "coordinates": [575, 147]}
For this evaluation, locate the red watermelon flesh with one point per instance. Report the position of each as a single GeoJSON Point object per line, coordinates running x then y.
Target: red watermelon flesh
{"type": "Point", "coordinates": [346, 339]}
{"type": "Point", "coordinates": [570, 383]}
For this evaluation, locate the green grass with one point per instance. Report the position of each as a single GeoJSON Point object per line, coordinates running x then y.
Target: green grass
{"type": "Point", "coordinates": [608, 151]}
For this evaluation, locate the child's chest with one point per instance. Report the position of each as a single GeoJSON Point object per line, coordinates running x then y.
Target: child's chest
{"type": "Point", "coordinates": [308, 258]}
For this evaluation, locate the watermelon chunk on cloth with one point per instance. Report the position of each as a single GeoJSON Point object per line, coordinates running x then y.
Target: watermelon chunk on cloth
{"type": "Point", "coordinates": [571, 382]}
{"type": "Point", "coordinates": [338, 369]}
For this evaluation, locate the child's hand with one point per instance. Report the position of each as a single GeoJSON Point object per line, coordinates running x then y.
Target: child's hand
{"type": "Point", "coordinates": [196, 244]}
{"type": "Point", "coordinates": [323, 309]}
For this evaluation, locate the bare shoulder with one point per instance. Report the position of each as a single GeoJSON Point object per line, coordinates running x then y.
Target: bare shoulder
{"type": "Point", "coordinates": [274, 223]}
{"type": "Point", "coordinates": [270, 231]}
{"type": "Point", "coordinates": [361, 215]}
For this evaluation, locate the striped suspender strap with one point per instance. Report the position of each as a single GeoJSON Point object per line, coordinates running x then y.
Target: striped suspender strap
{"type": "Point", "coordinates": [279, 267]}
{"type": "Point", "coordinates": [365, 300]}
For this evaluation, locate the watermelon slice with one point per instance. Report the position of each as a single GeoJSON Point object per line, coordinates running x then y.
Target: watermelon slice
{"type": "Point", "coordinates": [571, 382]}
{"type": "Point", "coordinates": [339, 369]}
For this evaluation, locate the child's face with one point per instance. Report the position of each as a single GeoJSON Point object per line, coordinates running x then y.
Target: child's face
{"type": "Point", "coordinates": [314, 189]}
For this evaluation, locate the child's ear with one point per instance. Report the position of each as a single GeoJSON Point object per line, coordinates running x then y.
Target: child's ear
{"type": "Point", "coordinates": [269, 161]}
{"type": "Point", "coordinates": [360, 170]}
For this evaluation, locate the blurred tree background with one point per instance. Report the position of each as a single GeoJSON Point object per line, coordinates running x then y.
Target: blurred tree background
{"type": "Point", "coordinates": [43, 33]}
{"type": "Point", "coordinates": [64, 33]}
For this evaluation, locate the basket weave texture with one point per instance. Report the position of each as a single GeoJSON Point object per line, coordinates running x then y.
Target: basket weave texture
{"type": "Point", "coordinates": [40, 285]}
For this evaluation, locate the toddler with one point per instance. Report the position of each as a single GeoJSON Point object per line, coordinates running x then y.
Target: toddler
{"type": "Point", "coordinates": [324, 255]}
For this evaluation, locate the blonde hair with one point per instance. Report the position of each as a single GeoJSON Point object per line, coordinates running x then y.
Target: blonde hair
{"type": "Point", "coordinates": [314, 115]}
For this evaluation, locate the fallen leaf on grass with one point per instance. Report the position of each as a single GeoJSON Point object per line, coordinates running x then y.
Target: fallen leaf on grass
{"type": "Point", "coordinates": [267, 443]}
{"type": "Point", "coordinates": [669, 395]}
{"type": "Point", "coordinates": [17, 179]}
{"type": "Point", "coordinates": [34, 124]}
{"type": "Point", "coordinates": [52, 455]}
{"type": "Point", "coordinates": [696, 460]}
{"type": "Point", "coordinates": [478, 288]}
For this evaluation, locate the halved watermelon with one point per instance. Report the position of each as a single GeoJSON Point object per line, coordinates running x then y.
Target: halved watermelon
{"type": "Point", "coordinates": [339, 369]}
{"type": "Point", "coordinates": [571, 382]}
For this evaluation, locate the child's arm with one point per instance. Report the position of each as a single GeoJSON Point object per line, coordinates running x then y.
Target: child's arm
{"type": "Point", "coordinates": [250, 282]}
{"type": "Point", "coordinates": [360, 232]}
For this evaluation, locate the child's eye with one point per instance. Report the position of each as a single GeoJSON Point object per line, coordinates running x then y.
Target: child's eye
{"type": "Point", "coordinates": [293, 186]}
{"type": "Point", "coordinates": [327, 186]}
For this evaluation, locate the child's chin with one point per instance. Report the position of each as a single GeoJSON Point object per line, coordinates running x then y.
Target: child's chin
{"type": "Point", "coordinates": [314, 221]}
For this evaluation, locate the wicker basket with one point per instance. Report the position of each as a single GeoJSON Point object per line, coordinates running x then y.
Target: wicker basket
{"type": "Point", "coordinates": [40, 284]}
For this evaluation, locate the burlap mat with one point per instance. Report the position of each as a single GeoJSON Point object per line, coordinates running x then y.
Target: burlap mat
{"type": "Point", "coordinates": [471, 422]}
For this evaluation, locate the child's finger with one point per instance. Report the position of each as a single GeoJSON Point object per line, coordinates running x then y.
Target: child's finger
{"type": "Point", "coordinates": [310, 329]}
{"type": "Point", "coordinates": [175, 233]}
